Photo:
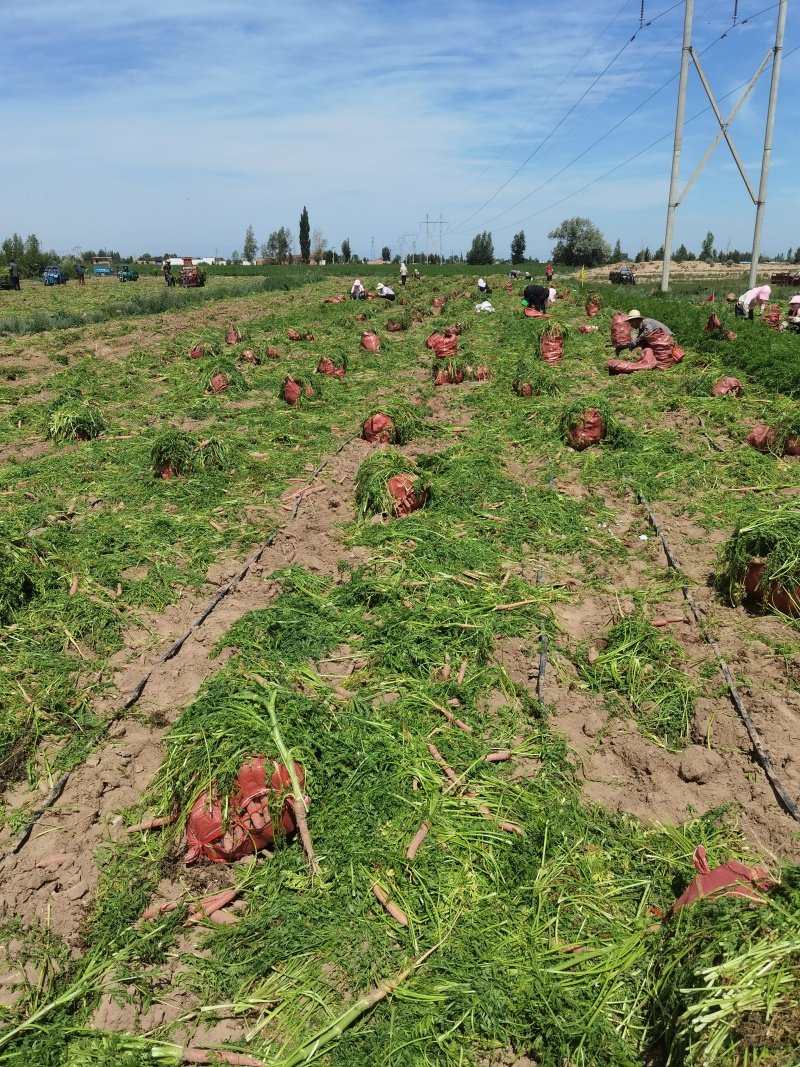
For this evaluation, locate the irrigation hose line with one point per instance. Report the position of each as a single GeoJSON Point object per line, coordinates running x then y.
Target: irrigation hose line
{"type": "Point", "coordinates": [50, 799]}
{"type": "Point", "coordinates": [256, 556]}
{"type": "Point", "coordinates": [542, 636]}
{"type": "Point", "coordinates": [761, 756]}
{"type": "Point", "coordinates": [710, 440]}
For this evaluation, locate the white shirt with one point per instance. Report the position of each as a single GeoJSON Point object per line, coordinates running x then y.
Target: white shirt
{"type": "Point", "coordinates": [747, 299]}
{"type": "Point", "coordinates": [384, 290]}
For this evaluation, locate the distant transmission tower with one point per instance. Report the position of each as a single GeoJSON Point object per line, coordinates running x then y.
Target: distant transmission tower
{"type": "Point", "coordinates": [759, 199]}
{"type": "Point", "coordinates": [372, 249]}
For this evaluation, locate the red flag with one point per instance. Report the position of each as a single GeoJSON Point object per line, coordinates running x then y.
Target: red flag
{"type": "Point", "coordinates": [710, 300]}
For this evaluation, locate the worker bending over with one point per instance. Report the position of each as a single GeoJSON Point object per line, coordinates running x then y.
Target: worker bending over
{"type": "Point", "coordinates": [753, 298]}
{"type": "Point", "coordinates": [659, 350]}
{"type": "Point", "coordinates": [538, 297]}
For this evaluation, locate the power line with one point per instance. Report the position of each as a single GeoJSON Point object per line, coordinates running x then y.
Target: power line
{"type": "Point", "coordinates": [594, 144]}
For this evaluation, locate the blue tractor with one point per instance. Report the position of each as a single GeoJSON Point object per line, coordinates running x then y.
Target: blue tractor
{"type": "Point", "coordinates": [54, 275]}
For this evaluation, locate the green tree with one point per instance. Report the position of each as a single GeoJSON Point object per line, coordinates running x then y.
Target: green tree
{"type": "Point", "coordinates": [659, 253]}
{"type": "Point", "coordinates": [518, 247]}
{"type": "Point", "coordinates": [318, 245]}
{"type": "Point", "coordinates": [481, 250]}
{"type": "Point", "coordinates": [616, 255]}
{"type": "Point", "coordinates": [707, 248]}
{"type": "Point", "coordinates": [579, 243]}
{"type": "Point", "coordinates": [346, 253]}
{"type": "Point", "coordinates": [249, 248]}
{"type": "Point", "coordinates": [386, 254]}
{"type": "Point", "coordinates": [278, 245]}
{"type": "Point", "coordinates": [236, 259]}
{"type": "Point", "coordinates": [305, 237]}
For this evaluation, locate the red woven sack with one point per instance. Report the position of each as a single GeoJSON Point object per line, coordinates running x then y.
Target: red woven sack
{"type": "Point", "coordinates": [731, 879]}
{"type": "Point", "coordinates": [727, 387]}
{"type": "Point", "coordinates": [326, 367]}
{"type": "Point", "coordinates": [370, 341]}
{"type": "Point", "coordinates": [620, 330]}
{"type": "Point", "coordinates": [593, 306]}
{"type": "Point", "coordinates": [713, 323]}
{"type": "Point", "coordinates": [552, 346]}
{"type": "Point", "coordinates": [219, 383]}
{"type": "Point", "coordinates": [532, 313]}
{"type": "Point", "coordinates": [774, 594]}
{"type": "Point", "coordinates": [250, 821]}
{"type": "Point", "coordinates": [772, 316]}
{"type": "Point", "coordinates": [249, 356]}
{"type": "Point", "coordinates": [677, 354]}
{"type": "Point", "coordinates": [232, 336]}
{"type": "Point", "coordinates": [481, 374]}
{"type": "Point", "coordinates": [442, 377]}
{"type": "Point", "coordinates": [401, 486]}
{"type": "Point", "coordinates": [272, 352]}
{"type": "Point", "coordinates": [622, 366]}
{"type": "Point", "coordinates": [291, 390]}
{"type": "Point", "coordinates": [589, 431]}
{"type": "Point", "coordinates": [523, 389]}
{"type": "Point", "coordinates": [761, 437]}
{"type": "Point", "coordinates": [334, 300]}
{"type": "Point", "coordinates": [661, 345]}
{"type": "Point", "coordinates": [394, 327]}
{"type": "Point", "coordinates": [293, 335]}
{"type": "Point", "coordinates": [378, 429]}
{"type": "Point", "coordinates": [508, 288]}
{"type": "Point", "coordinates": [196, 353]}
{"type": "Point", "coordinates": [438, 301]}
{"type": "Point", "coordinates": [361, 317]}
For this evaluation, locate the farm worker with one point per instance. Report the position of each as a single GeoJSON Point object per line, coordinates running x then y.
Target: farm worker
{"type": "Point", "coordinates": [416, 274]}
{"type": "Point", "coordinates": [548, 272]}
{"type": "Point", "coordinates": [794, 307]}
{"type": "Point", "coordinates": [537, 297]}
{"type": "Point", "coordinates": [357, 290]}
{"type": "Point", "coordinates": [745, 304]}
{"type": "Point", "coordinates": [384, 291]}
{"type": "Point", "coordinates": [483, 287]}
{"type": "Point", "coordinates": [80, 273]}
{"type": "Point", "coordinates": [645, 327]}
{"type": "Point", "coordinates": [403, 273]}
{"type": "Point", "coordinates": [168, 272]}
{"type": "Point", "coordinates": [13, 270]}
{"type": "Point", "coordinates": [552, 294]}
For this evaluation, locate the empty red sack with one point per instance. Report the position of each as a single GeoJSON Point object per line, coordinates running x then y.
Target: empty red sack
{"type": "Point", "coordinates": [532, 313]}
{"type": "Point", "coordinates": [370, 341]}
{"type": "Point", "coordinates": [250, 818]}
{"type": "Point", "coordinates": [291, 390]}
{"type": "Point", "coordinates": [334, 300]}
{"type": "Point", "coordinates": [731, 879]}
{"type": "Point", "coordinates": [326, 366]}
{"type": "Point", "coordinates": [196, 353]}
{"type": "Point", "coordinates": [272, 352]}
{"type": "Point", "coordinates": [249, 356]}
{"type": "Point", "coordinates": [219, 383]}
{"type": "Point", "coordinates": [713, 323]}
{"type": "Point", "coordinates": [438, 301]}
{"type": "Point", "coordinates": [293, 335]}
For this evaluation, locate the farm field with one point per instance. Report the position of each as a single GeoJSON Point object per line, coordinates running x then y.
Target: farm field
{"type": "Point", "coordinates": [503, 707]}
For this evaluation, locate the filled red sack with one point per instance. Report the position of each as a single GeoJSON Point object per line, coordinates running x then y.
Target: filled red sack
{"type": "Point", "coordinates": [508, 288]}
{"type": "Point", "coordinates": [272, 352]}
{"type": "Point", "coordinates": [727, 387]}
{"type": "Point", "coordinates": [196, 353]}
{"type": "Point", "coordinates": [438, 301]}
{"type": "Point", "coordinates": [443, 345]}
{"type": "Point", "coordinates": [584, 327]}
{"type": "Point", "coordinates": [774, 593]}
{"type": "Point", "coordinates": [730, 336]}
{"type": "Point", "coordinates": [713, 323]}
{"type": "Point", "coordinates": [480, 373]}
{"type": "Point", "coordinates": [772, 316]}
{"type": "Point", "coordinates": [661, 344]}
{"type": "Point", "coordinates": [370, 341]}
{"type": "Point", "coordinates": [293, 335]}
{"type": "Point", "coordinates": [401, 486]}
{"type": "Point", "coordinates": [326, 366]}
{"type": "Point", "coordinates": [589, 431]}
{"type": "Point", "coordinates": [677, 354]}
{"type": "Point", "coordinates": [232, 336]}
{"type": "Point", "coordinates": [378, 429]}
{"type": "Point", "coordinates": [250, 813]}
{"type": "Point", "coordinates": [219, 383]}
{"type": "Point", "coordinates": [731, 879]}
{"type": "Point", "coordinates": [552, 346]}
{"type": "Point", "coordinates": [394, 327]}
{"type": "Point", "coordinates": [523, 389]}
{"type": "Point", "coordinates": [761, 437]}
{"type": "Point", "coordinates": [249, 356]}
{"type": "Point", "coordinates": [291, 390]}
{"type": "Point", "coordinates": [620, 330]}
{"type": "Point", "coordinates": [166, 470]}
{"type": "Point", "coordinates": [532, 313]}
{"type": "Point", "coordinates": [361, 317]}
{"type": "Point", "coordinates": [593, 306]}
{"type": "Point", "coordinates": [334, 300]}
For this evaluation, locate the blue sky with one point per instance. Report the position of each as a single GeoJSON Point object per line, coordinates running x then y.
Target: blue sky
{"type": "Point", "coordinates": [171, 126]}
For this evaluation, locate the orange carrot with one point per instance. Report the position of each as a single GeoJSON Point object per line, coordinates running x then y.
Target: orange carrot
{"type": "Point", "coordinates": [451, 774]}
{"type": "Point", "coordinates": [392, 909]}
{"type": "Point", "coordinates": [151, 824]}
{"type": "Point", "coordinates": [500, 756]}
{"type": "Point", "coordinates": [73, 589]}
{"type": "Point", "coordinates": [215, 1055]}
{"type": "Point", "coordinates": [463, 726]}
{"type": "Point", "coordinates": [668, 620]}
{"type": "Point", "coordinates": [506, 576]}
{"type": "Point", "coordinates": [417, 839]}
{"type": "Point", "coordinates": [516, 604]}
{"type": "Point", "coordinates": [462, 670]}
{"type": "Point", "coordinates": [509, 827]}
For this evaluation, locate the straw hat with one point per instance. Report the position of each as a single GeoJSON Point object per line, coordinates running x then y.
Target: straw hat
{"type": "Point", "coordinates": [633, 314]}
{"type": "Point", "coordinates": [731, 298]}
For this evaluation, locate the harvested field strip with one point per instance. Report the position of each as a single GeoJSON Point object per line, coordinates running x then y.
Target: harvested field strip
{"type": "Point", "coordinates": [404, 683]}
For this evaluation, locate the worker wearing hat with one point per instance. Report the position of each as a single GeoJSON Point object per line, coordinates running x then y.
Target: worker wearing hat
{"type": "Point", "coordinates": [645, 328]}
{"type": "Point", "coordinates": [753, 298]}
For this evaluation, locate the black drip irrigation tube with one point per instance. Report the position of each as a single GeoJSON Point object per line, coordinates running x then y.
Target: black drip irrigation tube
{"type": "Point", "coordinates": [760, 754]}
{"type": "Point", "coordinates": [50, 799]}
{"type": "Point", "coordinates": [256, 556]}
{"type": "Point", "coordinates": [710, 440]}
{"type": "Point", "coordinates": [542, 637]}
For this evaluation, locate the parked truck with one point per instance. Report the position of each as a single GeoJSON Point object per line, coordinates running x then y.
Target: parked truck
{"type": "Point", "coordinates": [623, 276]}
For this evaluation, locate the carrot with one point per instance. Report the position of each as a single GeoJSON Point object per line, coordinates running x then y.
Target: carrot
{"type": "Point", "coordinates": [509, 827]}
{"type": "Point", "coordinates": [215, 1055]}
{"type": "Point", "coordinates": [54, 861]}
{"type": "Point", "coordinates": [462, 670]}
{"type": "Point", "coordinates": [595, 542]}
{"type": "Point", "coordinates": [506, 576]}
{"type": "Point", "coordinates": [223, 918]}
{"type": "Point", "coordinates": [159, 909]}
{"type": "Point", "coordinates": [392, 909]}
{"type": "Point", "coordinates": [668, 620]}
{"type": "Point", "coordinates": [151, 824]}
{"type": "Point", "coordinates": [417, 839]}
{"type": "Point", "coordinates": [571, 581]}
{"type": "Point", "coordinates": [119, 589]}
{"type": "Point", "coordinates": [206, 906]}
{"type": "Point", "coordinates": [451, 774]}
{"type": "Point", "coordinates": [445, 672]}
{"type": "Point", "coordinates": [463, 726]}
{"type": "Point", "coordinates": [73, 589]}
{"type": "Point", "coordinates": [305, 489]}
{"type": "Point", "coordinates": [515, 604]}
{"type": "Point", "coordinates": [500, 756]}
